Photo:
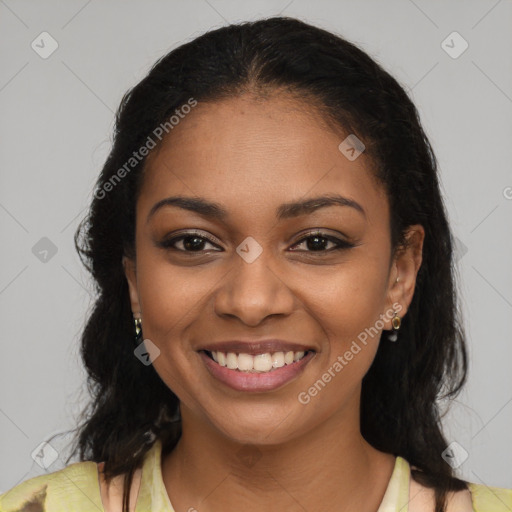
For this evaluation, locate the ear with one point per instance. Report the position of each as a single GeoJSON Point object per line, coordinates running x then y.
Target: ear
{"type": "Point", "coordinates": [131, 277]}
{"type": "Point", "coordinates": [405, 266]}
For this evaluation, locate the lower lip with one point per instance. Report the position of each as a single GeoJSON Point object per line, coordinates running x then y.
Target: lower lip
{"type": "Point", "coordinates": [245, 381]}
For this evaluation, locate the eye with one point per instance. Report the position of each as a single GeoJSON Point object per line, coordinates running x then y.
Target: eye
{"type": "Point", "coordinates": [194, 242]}
{"type": "Point", "coordinates": [189, 241]}
{"type": "Point", "coordinates": [316, 241]}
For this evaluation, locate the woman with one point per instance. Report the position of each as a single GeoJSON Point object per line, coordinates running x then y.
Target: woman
{"type": "Point", "coordinates": [269, 227]}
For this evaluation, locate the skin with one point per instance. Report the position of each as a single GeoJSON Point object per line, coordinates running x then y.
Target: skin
{"type": "Point", "coordinates": [250, 155]}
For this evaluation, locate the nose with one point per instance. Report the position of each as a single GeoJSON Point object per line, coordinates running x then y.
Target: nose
{"type": "Point", "coordinates": [253, 291]}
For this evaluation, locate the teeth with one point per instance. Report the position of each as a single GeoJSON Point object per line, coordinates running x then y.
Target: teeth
{"type": "Point", "coordinates": [231, 361]}
{"type": "Point", "coordinates": [221, 358]}
{"type": "Point", "coordinates": [298, 355]}
{"type": "Point", "coordinates": [277, 359]}
{"type": "Point", "coordinates": [262, 362]}
{"type": "Point", "coordinates": [245, 362]}
{"type": "Point", "coordinates": [258, 363]}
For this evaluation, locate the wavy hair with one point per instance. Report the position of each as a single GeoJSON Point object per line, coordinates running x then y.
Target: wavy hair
{"type": "Point", "coordinates": [130, 405]}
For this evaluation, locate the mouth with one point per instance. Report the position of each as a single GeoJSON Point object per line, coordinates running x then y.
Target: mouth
{"type": "Point", "coordinates": [256, 363]}
{"type": "Point", "coordinates": [256, 372]}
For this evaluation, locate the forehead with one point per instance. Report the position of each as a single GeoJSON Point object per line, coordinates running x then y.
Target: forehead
{"type": "Point", "coordinates": [255, 153]}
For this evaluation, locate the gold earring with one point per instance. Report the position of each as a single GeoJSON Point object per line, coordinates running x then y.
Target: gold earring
{"type": "Point", "coordinates": [138, 329]}
{"type": "Point", "coordinates": [396, 321]}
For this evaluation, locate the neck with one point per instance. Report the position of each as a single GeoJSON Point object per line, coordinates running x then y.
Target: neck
{"type": "Point", "coordinates": [328, 468]}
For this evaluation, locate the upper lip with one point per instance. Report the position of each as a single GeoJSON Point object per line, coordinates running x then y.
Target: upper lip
{"type": "Point", "coordinates": [256, 347]}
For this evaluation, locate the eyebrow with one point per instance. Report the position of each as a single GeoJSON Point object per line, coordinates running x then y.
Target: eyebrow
{"type": "Point", "coordinates": [213, 210]}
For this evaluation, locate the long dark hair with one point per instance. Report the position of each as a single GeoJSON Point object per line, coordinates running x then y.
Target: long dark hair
{"type": "Point", "coordinates": [403, 389]}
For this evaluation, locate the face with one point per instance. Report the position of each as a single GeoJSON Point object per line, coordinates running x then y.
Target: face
{"type": "Point", "coordinates": [253, 270]}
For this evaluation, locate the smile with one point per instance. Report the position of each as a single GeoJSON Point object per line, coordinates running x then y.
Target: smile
{"type": "Point", "coordinates": [267, 371]}
{"type": "Point", "coordinates": [257, 363]}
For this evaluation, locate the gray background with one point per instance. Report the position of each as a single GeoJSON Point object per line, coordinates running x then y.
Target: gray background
{"type": "Point", "coordinates": [57, 115]}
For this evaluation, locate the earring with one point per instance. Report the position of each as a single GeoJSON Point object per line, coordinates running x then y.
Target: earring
{"type": "Point", "coordinates": [138, 329]}
{"type": "Point", "coordinates": [395, 322]}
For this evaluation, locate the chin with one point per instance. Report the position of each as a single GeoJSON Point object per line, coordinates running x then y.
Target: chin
{"type": "Point", "coordinates": [268, 429]}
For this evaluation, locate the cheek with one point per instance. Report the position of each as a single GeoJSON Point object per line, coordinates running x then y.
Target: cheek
{"type": "Point", "coordinates": [169, 295]}
{"type": "Point", "coordinates": [348, 309]}
{"type": "Point", "coordinates": [348, 299]}
{"type": "Point", "coordinates": [169, 299]}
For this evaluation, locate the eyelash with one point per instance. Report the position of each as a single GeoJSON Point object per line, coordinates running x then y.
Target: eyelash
{"type": "Point", "coordinates": [340, 244]}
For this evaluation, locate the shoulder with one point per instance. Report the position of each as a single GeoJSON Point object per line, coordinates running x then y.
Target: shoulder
{"type": "Point", "coordinates": [495, 499]}
{"type": "Point", "coordinates": [477, 498]}
{"type": "Point", "coordinates": [76, 487]}
{"type": "Point", "coordinates": [422, 499]}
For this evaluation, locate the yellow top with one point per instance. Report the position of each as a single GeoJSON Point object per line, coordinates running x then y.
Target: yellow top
{"type": "Point", "coordinates": [76, 488]}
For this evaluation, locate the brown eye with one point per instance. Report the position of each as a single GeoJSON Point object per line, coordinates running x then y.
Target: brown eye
{"type": "Point", "coordinates": [188, 242]}
{"type": "Point", "coordinates": [318, 242]}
